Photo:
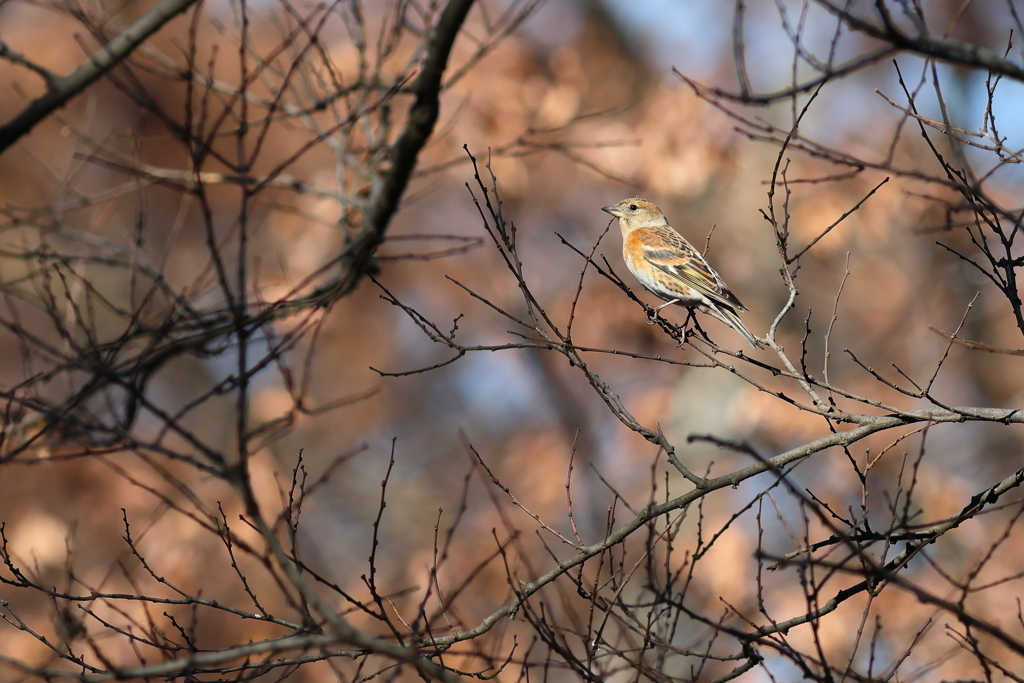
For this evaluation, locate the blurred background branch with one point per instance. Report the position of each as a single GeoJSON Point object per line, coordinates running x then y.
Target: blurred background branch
{"type": "Point", "coordinates": [222, 458]}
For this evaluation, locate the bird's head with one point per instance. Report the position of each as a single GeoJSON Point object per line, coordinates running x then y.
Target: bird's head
{"type": "Point", "coordinates": [636, 213]}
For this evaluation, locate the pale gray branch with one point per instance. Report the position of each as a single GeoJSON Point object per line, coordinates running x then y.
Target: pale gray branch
{"type": "Point", "coordinates": [60, 89]}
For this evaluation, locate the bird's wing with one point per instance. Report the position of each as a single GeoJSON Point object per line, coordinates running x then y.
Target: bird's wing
{"type": "Point", "coordinates": [668, 251]}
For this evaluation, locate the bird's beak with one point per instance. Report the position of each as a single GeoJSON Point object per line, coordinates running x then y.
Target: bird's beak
{"type": "Point", "coordinates": [613, 210]}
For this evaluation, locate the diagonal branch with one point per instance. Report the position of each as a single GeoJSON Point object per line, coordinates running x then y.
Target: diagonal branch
{"type": "Point", "coordinates": [61, 89]}
{"type": "Point", "coordinates": [870, 424]}
{"type": "Point", "coordinates": [930, 45]}
{"type": "Point", "coordinates": [404, 153]}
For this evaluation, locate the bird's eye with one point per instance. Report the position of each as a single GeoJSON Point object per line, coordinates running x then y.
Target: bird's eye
{"type": "Point", "coordinates": [632, 207]}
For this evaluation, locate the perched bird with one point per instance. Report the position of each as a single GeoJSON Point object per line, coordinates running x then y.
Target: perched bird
{"type": "Point", "coordinates": [669, 267]}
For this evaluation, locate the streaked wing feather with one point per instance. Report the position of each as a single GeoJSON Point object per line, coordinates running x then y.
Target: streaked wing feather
{"type": "Point", "coordinates": [685, 264]}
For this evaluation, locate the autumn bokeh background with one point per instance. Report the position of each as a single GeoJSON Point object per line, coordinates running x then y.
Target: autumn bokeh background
{"type": "Point", "coordinates": [577, 108]}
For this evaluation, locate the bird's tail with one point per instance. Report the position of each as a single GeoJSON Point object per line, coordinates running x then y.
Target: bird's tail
{"type": "Point", "coordinates": [730, 318]}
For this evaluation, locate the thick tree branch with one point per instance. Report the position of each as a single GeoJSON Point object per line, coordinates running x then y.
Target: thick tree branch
{"type": "Point", "coordinates": [61, 89]}
{"type": "Point", "coordinates": [422, 118]}
{"type": "Point", "coordinates": [928, 44]}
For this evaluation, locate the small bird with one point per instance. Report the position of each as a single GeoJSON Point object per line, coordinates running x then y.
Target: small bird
{"type": "Point", "coordinates": [670, 268]}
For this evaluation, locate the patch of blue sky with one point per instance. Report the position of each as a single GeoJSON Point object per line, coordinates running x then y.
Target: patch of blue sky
{"type": "Point", "coordinates": [690, 35]}
{"type": "Point", "coordinates": [498, 386]}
